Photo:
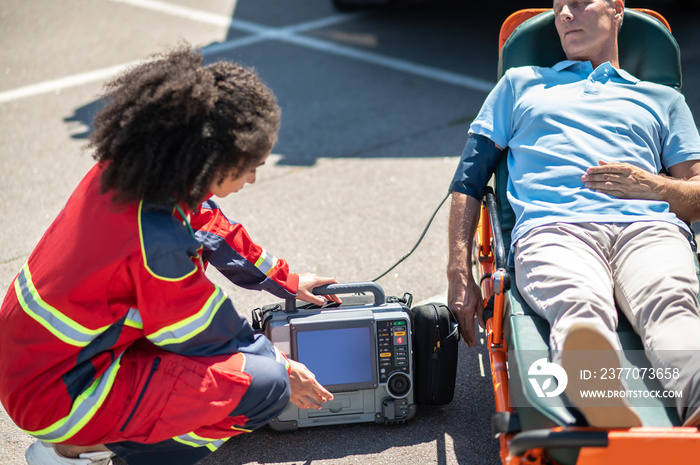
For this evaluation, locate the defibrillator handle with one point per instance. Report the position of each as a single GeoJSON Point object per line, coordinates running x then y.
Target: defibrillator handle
{"type": "Point", "coordinates": [344, 288]}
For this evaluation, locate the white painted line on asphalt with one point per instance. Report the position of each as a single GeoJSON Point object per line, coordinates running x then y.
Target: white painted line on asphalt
{"type": "Point", "coordinates": [289, 34]}
{"type": "Point", "coordinates": [223, 20]}
{"type": "Point", "coordinates": [391, 63]}
{"type": "Point", "coordinates": [481, 366]}
{"type": "Point", "coordinates": [258, 33]}
{"type": "Point", "coordinates": [181, 11]}
{"type": "Point", "coordinates": [104, 74]}
{"type": "Point", "coordinates": [56, 85]}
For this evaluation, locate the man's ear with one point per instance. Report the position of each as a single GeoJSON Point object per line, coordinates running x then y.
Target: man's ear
{"type": "Point", "coordinates": [619, 6]}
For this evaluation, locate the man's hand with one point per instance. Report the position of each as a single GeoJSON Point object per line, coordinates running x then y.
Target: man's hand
{"type": "Point", "coordinates": [464, 299]}
{"type": "Point", "coordinates": [306, 391]}
{"type": "Point", "coordinates": [463, 293]}
{"type": "Point", "coordinates": [624, 181]}
{"type": "Point", "coordinates": [308, 282]}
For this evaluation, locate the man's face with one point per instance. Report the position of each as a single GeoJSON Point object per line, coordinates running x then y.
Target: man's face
{"type": "Point", "coordinates": [588, 28]}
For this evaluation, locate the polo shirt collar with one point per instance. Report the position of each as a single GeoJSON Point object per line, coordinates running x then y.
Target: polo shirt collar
{"type": "Point", "coordinates": [585, 67]}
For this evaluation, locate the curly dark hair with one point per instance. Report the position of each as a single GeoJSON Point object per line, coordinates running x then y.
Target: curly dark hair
{"type": "Point", "coordinates": [171, 128]}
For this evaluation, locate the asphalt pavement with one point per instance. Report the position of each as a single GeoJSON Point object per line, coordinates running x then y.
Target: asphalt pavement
{"type": "Point", "coordinates": [376, 105]}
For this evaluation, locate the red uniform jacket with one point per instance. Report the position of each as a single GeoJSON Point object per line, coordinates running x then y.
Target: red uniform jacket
{"type": "Point", "coordinates": [105, 275]}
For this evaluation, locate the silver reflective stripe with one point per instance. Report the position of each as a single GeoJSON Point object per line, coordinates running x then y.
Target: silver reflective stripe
{"type": "Point", "coordinates": [84, 408]}
{"type": "Point", "coordinates": [192, 440]}
{"type": "Point", "coordinates": [281, 359]}
{"type": "Point", "coordinates": [67, 330]}
{"type": "Point", "coordinates": [266, 262]}
{"type": "Point", "coordinates": [133, 319]}
{"type": "Point", "coordinates": [190, 327]}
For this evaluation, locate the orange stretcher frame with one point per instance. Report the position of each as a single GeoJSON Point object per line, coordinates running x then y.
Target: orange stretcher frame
{"type": "Point", "coordinates": [628, 446]}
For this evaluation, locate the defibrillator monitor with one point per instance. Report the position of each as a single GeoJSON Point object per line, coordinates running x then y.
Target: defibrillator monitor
{"type": "Point", "coordinates": [359, 351]}
{"type": "Point", "coordinates": [341, 354]}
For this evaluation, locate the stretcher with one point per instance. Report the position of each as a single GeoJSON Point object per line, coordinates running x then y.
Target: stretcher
{"type": "Point", "coordinates": [530, 430]}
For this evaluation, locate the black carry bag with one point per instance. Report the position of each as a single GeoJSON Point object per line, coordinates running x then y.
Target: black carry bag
{"type": "Point", "coordinates": [435, 346]}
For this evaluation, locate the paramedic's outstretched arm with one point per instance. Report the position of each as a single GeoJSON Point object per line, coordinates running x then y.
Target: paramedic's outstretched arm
{"type": "Point", "coordinates": [463, 294]}
{"type": "Point", "coordinates": [229, 247]}
{"type": "Point", "coordinates": [625, 181]}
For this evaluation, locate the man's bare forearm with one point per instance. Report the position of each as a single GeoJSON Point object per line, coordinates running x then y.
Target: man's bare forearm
{"type": "Point", "coordinates": [683, 197]}
{"type": "Point", "coordinates": [464, 219]}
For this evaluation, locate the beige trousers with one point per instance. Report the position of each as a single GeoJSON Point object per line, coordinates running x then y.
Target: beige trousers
{"type": "Point", "coordinates": [578, 272]}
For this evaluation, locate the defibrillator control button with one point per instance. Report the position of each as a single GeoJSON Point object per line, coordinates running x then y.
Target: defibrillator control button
{"type": "Point", "coordinates": [399, 333]}
{"type": "Point", "coordinates": [398, 385]}
{"type": "Point", "coordinates": [385, 354]}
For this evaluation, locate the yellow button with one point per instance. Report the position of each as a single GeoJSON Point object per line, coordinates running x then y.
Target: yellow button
{"type": "Point", "coordinates": [400, 333]}
{"type": "Point", "coordinates": [385, 354]}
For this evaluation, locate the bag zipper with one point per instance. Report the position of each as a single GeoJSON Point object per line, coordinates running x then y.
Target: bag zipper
{"type": "Point", "coordinates": [156, 362]}
{"type": "Point", "coordinates": [437, 350]}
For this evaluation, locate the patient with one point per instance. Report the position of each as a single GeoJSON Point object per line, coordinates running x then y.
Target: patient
{"type": "Point", "coordinates": [596, 224]}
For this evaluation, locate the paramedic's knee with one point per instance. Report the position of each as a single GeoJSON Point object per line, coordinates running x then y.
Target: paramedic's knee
{"type": "Point", "coordinates": [268, 393]}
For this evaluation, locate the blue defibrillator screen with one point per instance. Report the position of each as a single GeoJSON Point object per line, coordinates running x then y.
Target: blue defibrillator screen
{"type": "Point", "coordinates": [338, 357]}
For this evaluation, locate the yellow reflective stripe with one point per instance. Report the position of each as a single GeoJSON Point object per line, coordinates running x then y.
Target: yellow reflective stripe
{"type": "Point", "coordinates": [145, 259]}
{"type": "Point", "coordinates": [83, 409]}
{"type": "Point", "coordinates": [185, 442]}
{"type": "Point", "coordinates": [133, 319]}
{"type": "Point", "coordinates": [191, 326]}
{"type": "Point", "coordinates": [238, 428]}
{"type": "Point", "coordinates": [193, 440]}
{"type": "Point", "coordinates": [265, 263]}
{"type": "Point", "coordinates": [67, 330]}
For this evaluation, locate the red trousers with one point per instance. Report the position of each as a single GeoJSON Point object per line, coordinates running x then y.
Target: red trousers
{"type": "Point", "coordinates": [191, 402]}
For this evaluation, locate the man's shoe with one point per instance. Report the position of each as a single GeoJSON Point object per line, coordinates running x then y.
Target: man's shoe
{"type": "Point", "coordinates": [586, 348]}
{"type": "Point", "coordinates": [43, 453]}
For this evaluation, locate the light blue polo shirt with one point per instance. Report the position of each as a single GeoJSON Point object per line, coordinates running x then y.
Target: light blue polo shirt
{"type": "Point", "coordinates": [559, 121]}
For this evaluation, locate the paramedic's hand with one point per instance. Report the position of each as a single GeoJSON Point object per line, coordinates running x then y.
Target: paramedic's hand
{"type": "Point", "coordinates": [308, 282]}
{"type": "Point", "coordinates": [464, 299]}
{"type": "Point", "coordinates": [306, 391]}
{"type": "Point", "coordinates": [623, 181]}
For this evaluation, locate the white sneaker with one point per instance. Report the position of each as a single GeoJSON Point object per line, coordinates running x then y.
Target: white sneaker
{"type": "Point", "coordinates": [586, 348]}
{"type": "Point", "coordinates": [43, 453]}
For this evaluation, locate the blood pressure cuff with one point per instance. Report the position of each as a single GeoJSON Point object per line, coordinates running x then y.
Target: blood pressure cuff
{"type": "Point", "coordinates": [476, 166]}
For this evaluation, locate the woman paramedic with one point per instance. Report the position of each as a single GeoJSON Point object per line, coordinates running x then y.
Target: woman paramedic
{"type": "Point", "coordinates": [114, 342]}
